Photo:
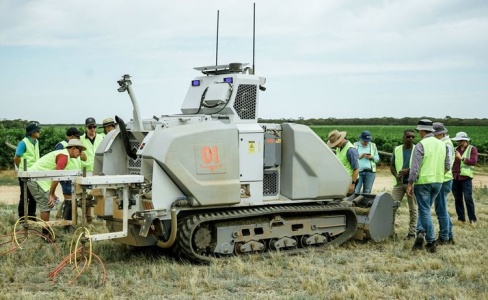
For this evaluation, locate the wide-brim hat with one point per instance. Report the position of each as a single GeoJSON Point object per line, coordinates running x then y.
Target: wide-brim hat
{"type": "Point", "coordinates": [108, 122]}
{"type": "Point", "coordinates": [425, 124]}
{"type": "Point", "coordinates": [461, 136]}
{"type": "Point", "coordinates": [31, 128]}
{"type": "Point", "coordinates": [366, 136]}
{"type": "Point", "coordinates": [335, 137]}
{"type": "Point", "coordinates": [439, 128]}
{"type": "Point", "coordinates": [75, 143]}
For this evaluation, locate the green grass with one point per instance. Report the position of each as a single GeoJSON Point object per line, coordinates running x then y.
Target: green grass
{"type": "Point", "coordinates": [388, 270]}
{"type": "Point", "coordinates": [8, 178]}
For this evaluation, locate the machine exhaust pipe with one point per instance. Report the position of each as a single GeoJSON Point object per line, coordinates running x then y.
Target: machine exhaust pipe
{"type": "Point", "coordinates": [125, 138]}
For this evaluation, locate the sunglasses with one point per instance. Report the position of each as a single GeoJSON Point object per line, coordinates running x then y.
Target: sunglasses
{"type": "Point", "coordinates": [410, 136]}
{"type": "Point", "coordinates": [92, 127]}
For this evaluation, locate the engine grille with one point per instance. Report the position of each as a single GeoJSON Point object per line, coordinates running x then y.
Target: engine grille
{"type": "Point", "coordinates": [133, 165]}
{"type": "Point", "coordinates": [245, 103]}
{"type": "Point", "coordinates": [270, 183]}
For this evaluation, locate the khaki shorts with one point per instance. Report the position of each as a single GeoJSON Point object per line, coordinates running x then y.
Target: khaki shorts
{"type": "Point", "coordinates": [42, 197]}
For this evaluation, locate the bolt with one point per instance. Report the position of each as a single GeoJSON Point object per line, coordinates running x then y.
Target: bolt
{"type": "Point", "coordinates": [242, 248]}
{"type": "Point", "coordinates": [308, 242]}
{"type": "Point", "coordinates": [226, 250]}
{"type": "Point", "coordinates": [235, 234]}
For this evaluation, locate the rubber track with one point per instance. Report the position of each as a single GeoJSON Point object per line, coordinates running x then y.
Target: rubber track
{"type": "Point", "coordinates": [188, 224]}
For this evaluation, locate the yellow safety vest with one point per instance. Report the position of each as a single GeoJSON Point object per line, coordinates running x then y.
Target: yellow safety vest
{"type": "Point", "coordinates": [432, 167]}
{"type": "Point", "coordinates": [90, 150]}
{"type": "Point", "coordinates": [448, 176]}
{"type": "Point", "coordinates": [342, 156]}
{"type": "Point", "coordinates": [31, 154]}
{"type": "Point", "coordinates": [399, 160]}
{"type": "Point", "coordinates": [467, 170]}
{"type": "Point", "coordinates": [372, 151]}
{"type": "Point", "coordinates": [47, 163]}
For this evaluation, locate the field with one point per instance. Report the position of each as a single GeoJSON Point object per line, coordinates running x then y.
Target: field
{"type": "Point", "coordinates": [388, 270]}
{"type": "Point", "coordinates": [387, 137]}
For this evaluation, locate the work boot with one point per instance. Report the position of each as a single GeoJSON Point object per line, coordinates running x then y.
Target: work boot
{"type": "Point", "coordinates": [431, 247]}
{"type": "Point", "coordinates": [419, 241]}
{"type": "Point", "coordinates": [89, 220]}
{"type": "Point", "coordinates": [440, 241]}
{"type": "Point", "coordinates": [410, 236]}
{"type": "Point", "coordinates": [473, 224]}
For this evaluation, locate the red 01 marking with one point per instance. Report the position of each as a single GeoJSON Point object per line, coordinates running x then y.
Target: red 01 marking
{"type": "Point", "coordinates": [210, 155]}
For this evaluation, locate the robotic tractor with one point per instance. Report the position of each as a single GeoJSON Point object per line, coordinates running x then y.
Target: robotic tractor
{"type": "Point", "coordinates": [213, 182]}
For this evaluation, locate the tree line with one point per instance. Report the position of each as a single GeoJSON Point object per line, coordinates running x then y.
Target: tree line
{"type": "Point", "coordinates": [408, 121]}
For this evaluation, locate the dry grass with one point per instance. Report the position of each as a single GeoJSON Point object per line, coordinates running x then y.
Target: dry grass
{"type": "Point", "coordinates": [388, 270]}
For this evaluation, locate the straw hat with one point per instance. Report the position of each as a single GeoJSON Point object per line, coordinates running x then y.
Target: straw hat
{"type": "Point", "coordinates": [335, 137]}
{"type": "Point", "coordinates": [75, 143]}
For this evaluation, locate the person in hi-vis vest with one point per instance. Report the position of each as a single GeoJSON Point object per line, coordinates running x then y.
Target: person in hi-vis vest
{"type": "Point", "coordinates": [91, 139]}
{"type": "Point", "coordinates": [44, 191]}
{"type": "Point", "coordinates": [368, 158]}
{"type": "Point", "coordinates": [27, 149]}
{"type": "Point", "coordinates": [446, 235]}
{"type": "Point", "coordinates": [347, 155]}
{"type": "Point", "coordinates": [429, 164]}
{"type": "Point", "coordinates": [401, 160]}
{"type": "Point", "coordinates": [65, 207]}
{"type": "Point", "coordinates": [463, 173]}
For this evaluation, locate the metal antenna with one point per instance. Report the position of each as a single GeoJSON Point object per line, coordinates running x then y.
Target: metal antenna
{"type": "Point", "coordinates": [253, 38]}
{"type": "Point", "coordinates": [217, 44]}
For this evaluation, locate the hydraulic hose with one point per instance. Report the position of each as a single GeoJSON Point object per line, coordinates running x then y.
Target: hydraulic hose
{"type": "Point", "coordinates": [125, 138]}
{"type": "Point", "coordinates": [172, 236]}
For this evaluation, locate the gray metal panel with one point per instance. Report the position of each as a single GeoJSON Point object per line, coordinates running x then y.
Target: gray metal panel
{"type": "Point", "coordinates": [381, 217]}
{"type": "Point", "coordinates": [272, 150]}
{"type": "Point", "coordinates": [309, 169]}
{"type": "Point", "coordinates": [251, 156]}
{"type": "Point", "coordinates": [190, 155]}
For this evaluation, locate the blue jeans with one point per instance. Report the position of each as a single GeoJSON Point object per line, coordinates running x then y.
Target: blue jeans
{"type": "Point", "coordinates": [440, 203]}
{"type": "Point", "coordinates": [464, 188]}
{"type": "Point", "coordinates": [365, 180]}
{"type": "Point", "coordinates": [425, 194]}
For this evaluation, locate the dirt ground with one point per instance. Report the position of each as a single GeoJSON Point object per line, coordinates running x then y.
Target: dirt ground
{"type": "Point", "coordinates": [382, 183]}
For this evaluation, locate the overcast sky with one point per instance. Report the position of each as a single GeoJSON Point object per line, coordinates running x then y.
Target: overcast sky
{"type": "Point", "coordinates": [60, 60]}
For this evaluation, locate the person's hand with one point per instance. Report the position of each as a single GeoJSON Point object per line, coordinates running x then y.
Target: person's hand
{"type": "Point", "coordinates": [362, 155]}
{"type": "Point", "coordinates": [409, 190]}
{"type": "Point", "coordinates": [351, 189]}
{"type": "Point", "coordinates": [368, 156]}
{"type": "Point", "coordinates": [458, 155]}
{"type": "Point", "coordinates": [399, 176]}
{"type": "Point", "coordinates": [52, 200]}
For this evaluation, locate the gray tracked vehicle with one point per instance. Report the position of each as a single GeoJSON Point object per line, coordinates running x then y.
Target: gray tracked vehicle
{"type": "Point", "coordinates": [213, 182]}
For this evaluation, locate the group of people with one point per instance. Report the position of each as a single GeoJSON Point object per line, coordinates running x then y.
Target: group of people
{"type": "Point", "coordinates": [76, 152]}
{"type": "Point", "coordinates": [426, 173]}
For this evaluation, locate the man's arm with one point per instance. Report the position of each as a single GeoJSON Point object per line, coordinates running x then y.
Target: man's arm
{"type": "Point", "coordinates": [418, 155]}
{"type": "Point", "coordinates": [18, 153]}
{"type": "Point", "coordinates": [353, 158]}
{"type": "Point", "coordinates": [447, 161]}
{"type": "Point", "coordinates": [392, 165]}
{"type": "Point", "coordinates": [52, 195]}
